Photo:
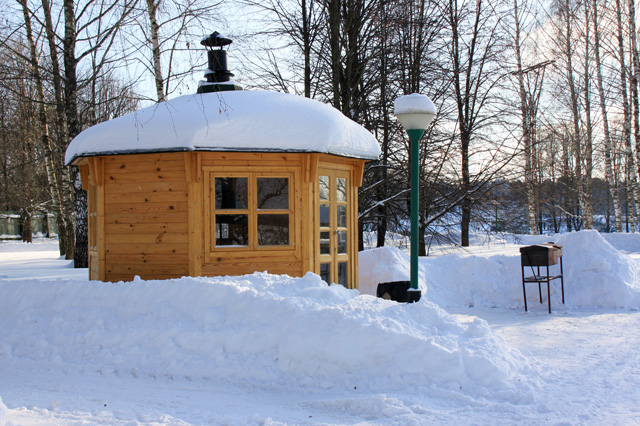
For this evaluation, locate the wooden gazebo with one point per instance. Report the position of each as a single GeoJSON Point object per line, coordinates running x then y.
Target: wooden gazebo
{"type": "Point", "coordinates": [224, 183]}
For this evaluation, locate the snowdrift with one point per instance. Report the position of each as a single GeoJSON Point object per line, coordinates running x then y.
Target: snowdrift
{"type": "Point", "coordinates": [596, 275]}
{"type": "Point", "coordinates": [3, 413]}
{"type": "Point", "coordinates": [265, 329]}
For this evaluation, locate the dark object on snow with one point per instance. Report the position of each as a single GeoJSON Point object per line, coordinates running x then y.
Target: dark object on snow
{"type": "Point", "coordinates": [398, 291]}
{"type": "Point", "coordinates": [538, 255]}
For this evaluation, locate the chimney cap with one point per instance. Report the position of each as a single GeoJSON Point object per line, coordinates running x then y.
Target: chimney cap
{"type": "Point", "coordinates": [215, 40]}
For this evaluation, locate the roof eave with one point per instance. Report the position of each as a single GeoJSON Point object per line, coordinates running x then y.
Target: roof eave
{"type": "Point", "coordinates": [75, 160]}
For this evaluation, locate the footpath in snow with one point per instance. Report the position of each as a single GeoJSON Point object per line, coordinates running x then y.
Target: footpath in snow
{"type": "Point", "coordinates": [276, 350]}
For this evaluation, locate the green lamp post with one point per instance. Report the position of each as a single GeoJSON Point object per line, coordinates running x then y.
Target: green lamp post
{"type": "Point", "coordinates": [415, 112]}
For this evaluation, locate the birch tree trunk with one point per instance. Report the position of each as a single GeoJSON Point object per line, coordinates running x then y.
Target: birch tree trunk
{"type": "Point", "coordinates": [65, 222]}
{"type": "Point", "coordinates": [632, 183]}
{"type": "Point", "coordinates": [152, 8]}
{"type": "Point", "coordinates": [52, 177]}
{"type": "Point", "coordinates": [633, 83]}
{"type": "Point", "coordinates": [608, 146]}
{"type": "Point", "coordinates": [575, 137]}
{"type": "Point", "coordinates": [586, 152]}
{"type": "Point", "coordinates": [334, 43]}
{"type": "Point", "coordinates": [526, 128]}
{"type": "Point", "coordinates": [81, 253]}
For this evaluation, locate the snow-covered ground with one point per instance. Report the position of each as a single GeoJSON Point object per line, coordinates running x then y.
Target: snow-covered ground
{"type": "Point", "coordinates": [275, 350]}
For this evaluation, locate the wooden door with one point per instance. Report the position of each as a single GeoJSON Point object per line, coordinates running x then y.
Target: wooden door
{"type": "Point", "coordinates": [334, 230]}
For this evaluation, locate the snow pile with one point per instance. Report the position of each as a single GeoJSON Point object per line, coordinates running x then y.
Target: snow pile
{"type": "Point", "coordinates": [596, 275]}
{"type": "Point", "coordinates": [3, 413]}
{"type": "Point", "coordinates": [600, 275]}
{"type": "Point", "coordinates": [260, 328]}
{"type": "Point", "coordinates": [229, 121]}
{"type": "Point", "coordinates": [383, 265]}
{"type": "Point", "coordinates": [627, 243]}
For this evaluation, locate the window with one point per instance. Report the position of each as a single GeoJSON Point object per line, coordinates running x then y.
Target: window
{"type": "Point", "coordinates": [333, 226]}
{"type": "Point", "coordinates": [251, 210]}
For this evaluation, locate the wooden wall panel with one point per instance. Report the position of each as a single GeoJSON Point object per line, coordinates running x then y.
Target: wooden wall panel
{"type": "Point", "coordinates": [171, 207]}
{"type": "Point", "coordinates": [142, 269]}
{"type": "Point", "coordinates": [147, 249]}
{"type": "Point", "coordinates": [146, 187]}
{"type": "Point", "coordinates": [154, 209]}
{"type": "Point", "coordinates": [146, 216]}
{"type": "Point", "coordinates": [135, 217]}
{"type": "Point", "coordinates": [244, 159]}
{"type": "Point", "coordinates": [146, 228]}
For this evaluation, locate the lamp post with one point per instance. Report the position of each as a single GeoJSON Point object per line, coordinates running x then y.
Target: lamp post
{"type": "Point", "coordinates": [415, 112]}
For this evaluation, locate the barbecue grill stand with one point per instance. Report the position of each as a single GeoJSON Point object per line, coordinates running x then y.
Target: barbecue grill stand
{"type": "Point", "coordinates": [539, 255]}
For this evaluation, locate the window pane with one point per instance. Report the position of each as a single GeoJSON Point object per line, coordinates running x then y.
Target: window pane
{"type": "Point", "coordinates": [324, 187]}
{"type": "Point", "coordinates": [231, 193]}
{"type": "Point", "coordinates": [342, 242]}
{"type": "Point", "coordinates": [325, 272]}
{"type": "Point", "coordinates": [342, 216]}
{"type": "Point", "coordinates": [324, 215]}
{"type": "Point", "coordinates": [232, 230]}
{"type": "Point", "coordinates": [341, 189]}
{"type": "Point", "coordinates": [342, 273]}
{"type": "Point", "coordinates": [273, 193]}
{"type": "Point", "coordinates": [273, 229]}
{"type": "Point", "coordinates": [325, 241]}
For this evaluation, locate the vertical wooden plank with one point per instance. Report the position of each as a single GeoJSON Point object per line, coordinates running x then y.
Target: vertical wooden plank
{"type": "Point", "coordinates": [253, 207]}
{"type": "Point", "coordinates": [96, 170]}
{"type": "Point", "coordinates": [353, 213]}
{"type": "Point", "coordinates": [315, 218]}
{"type": "Point", "coordinates": [313, 167]}
{"type": "Point", "coordinates": [298, 237]}
{"type": "Point", "coordinates": [207, 185]}
{"type": "Point", "coordinates": [196, 213]}
{"type": "Point", "coordinates": [84, 176]}
{"type": "Point", "coordinates": [307, 225]}
{"type": "Point", "coordinates": [358, 173]}
{"type": "Point", "coordinates": [191, 166]}
{"type": "Point", "coordinates": [101, 243]}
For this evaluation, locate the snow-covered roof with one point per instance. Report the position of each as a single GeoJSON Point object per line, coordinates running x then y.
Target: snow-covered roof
{"type": "Point", "coordinates": [255, 121]}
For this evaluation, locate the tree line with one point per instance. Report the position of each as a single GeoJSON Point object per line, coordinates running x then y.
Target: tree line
{"type": "Point", "coordinates": [538, 110]}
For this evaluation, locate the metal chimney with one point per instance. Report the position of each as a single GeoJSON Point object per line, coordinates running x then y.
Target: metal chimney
{"type": "Point", "coordinates": [218, 77]}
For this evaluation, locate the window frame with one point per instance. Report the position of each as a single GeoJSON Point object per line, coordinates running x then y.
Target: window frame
{"type": "Point", "coordinates": [334, 258]}
{"type": "Point", "coordinates": [252, 174]}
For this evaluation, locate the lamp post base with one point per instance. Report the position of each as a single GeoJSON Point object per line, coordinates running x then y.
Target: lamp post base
{"type": "Point", "coordinates": [399, 291]}
{"type": "Point", "coordinates": [413, 295]}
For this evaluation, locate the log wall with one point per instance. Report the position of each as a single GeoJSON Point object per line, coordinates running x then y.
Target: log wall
{"type": "Point", "coordinates": [154, 214]}
{"type": "Point", "coordinates": [146, 217]}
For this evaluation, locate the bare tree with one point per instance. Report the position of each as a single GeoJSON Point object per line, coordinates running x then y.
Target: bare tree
{"type": "Point", "coordinates": [631, 176]}
{"type": "Point", "coordinates": [161, 42]}
{"type": "Point", "coordinates": [473, 53]}
{"type": "Point", "coordinates": [298, 26]}
{"type": "Point", "coordinates": [88, 36]}
{"type": "Point", "coordinates": [608, 145]}
{"type": "Point", "coordinates": [53, 172]}
{"type": "Point", "coordinates": [23, 179]}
